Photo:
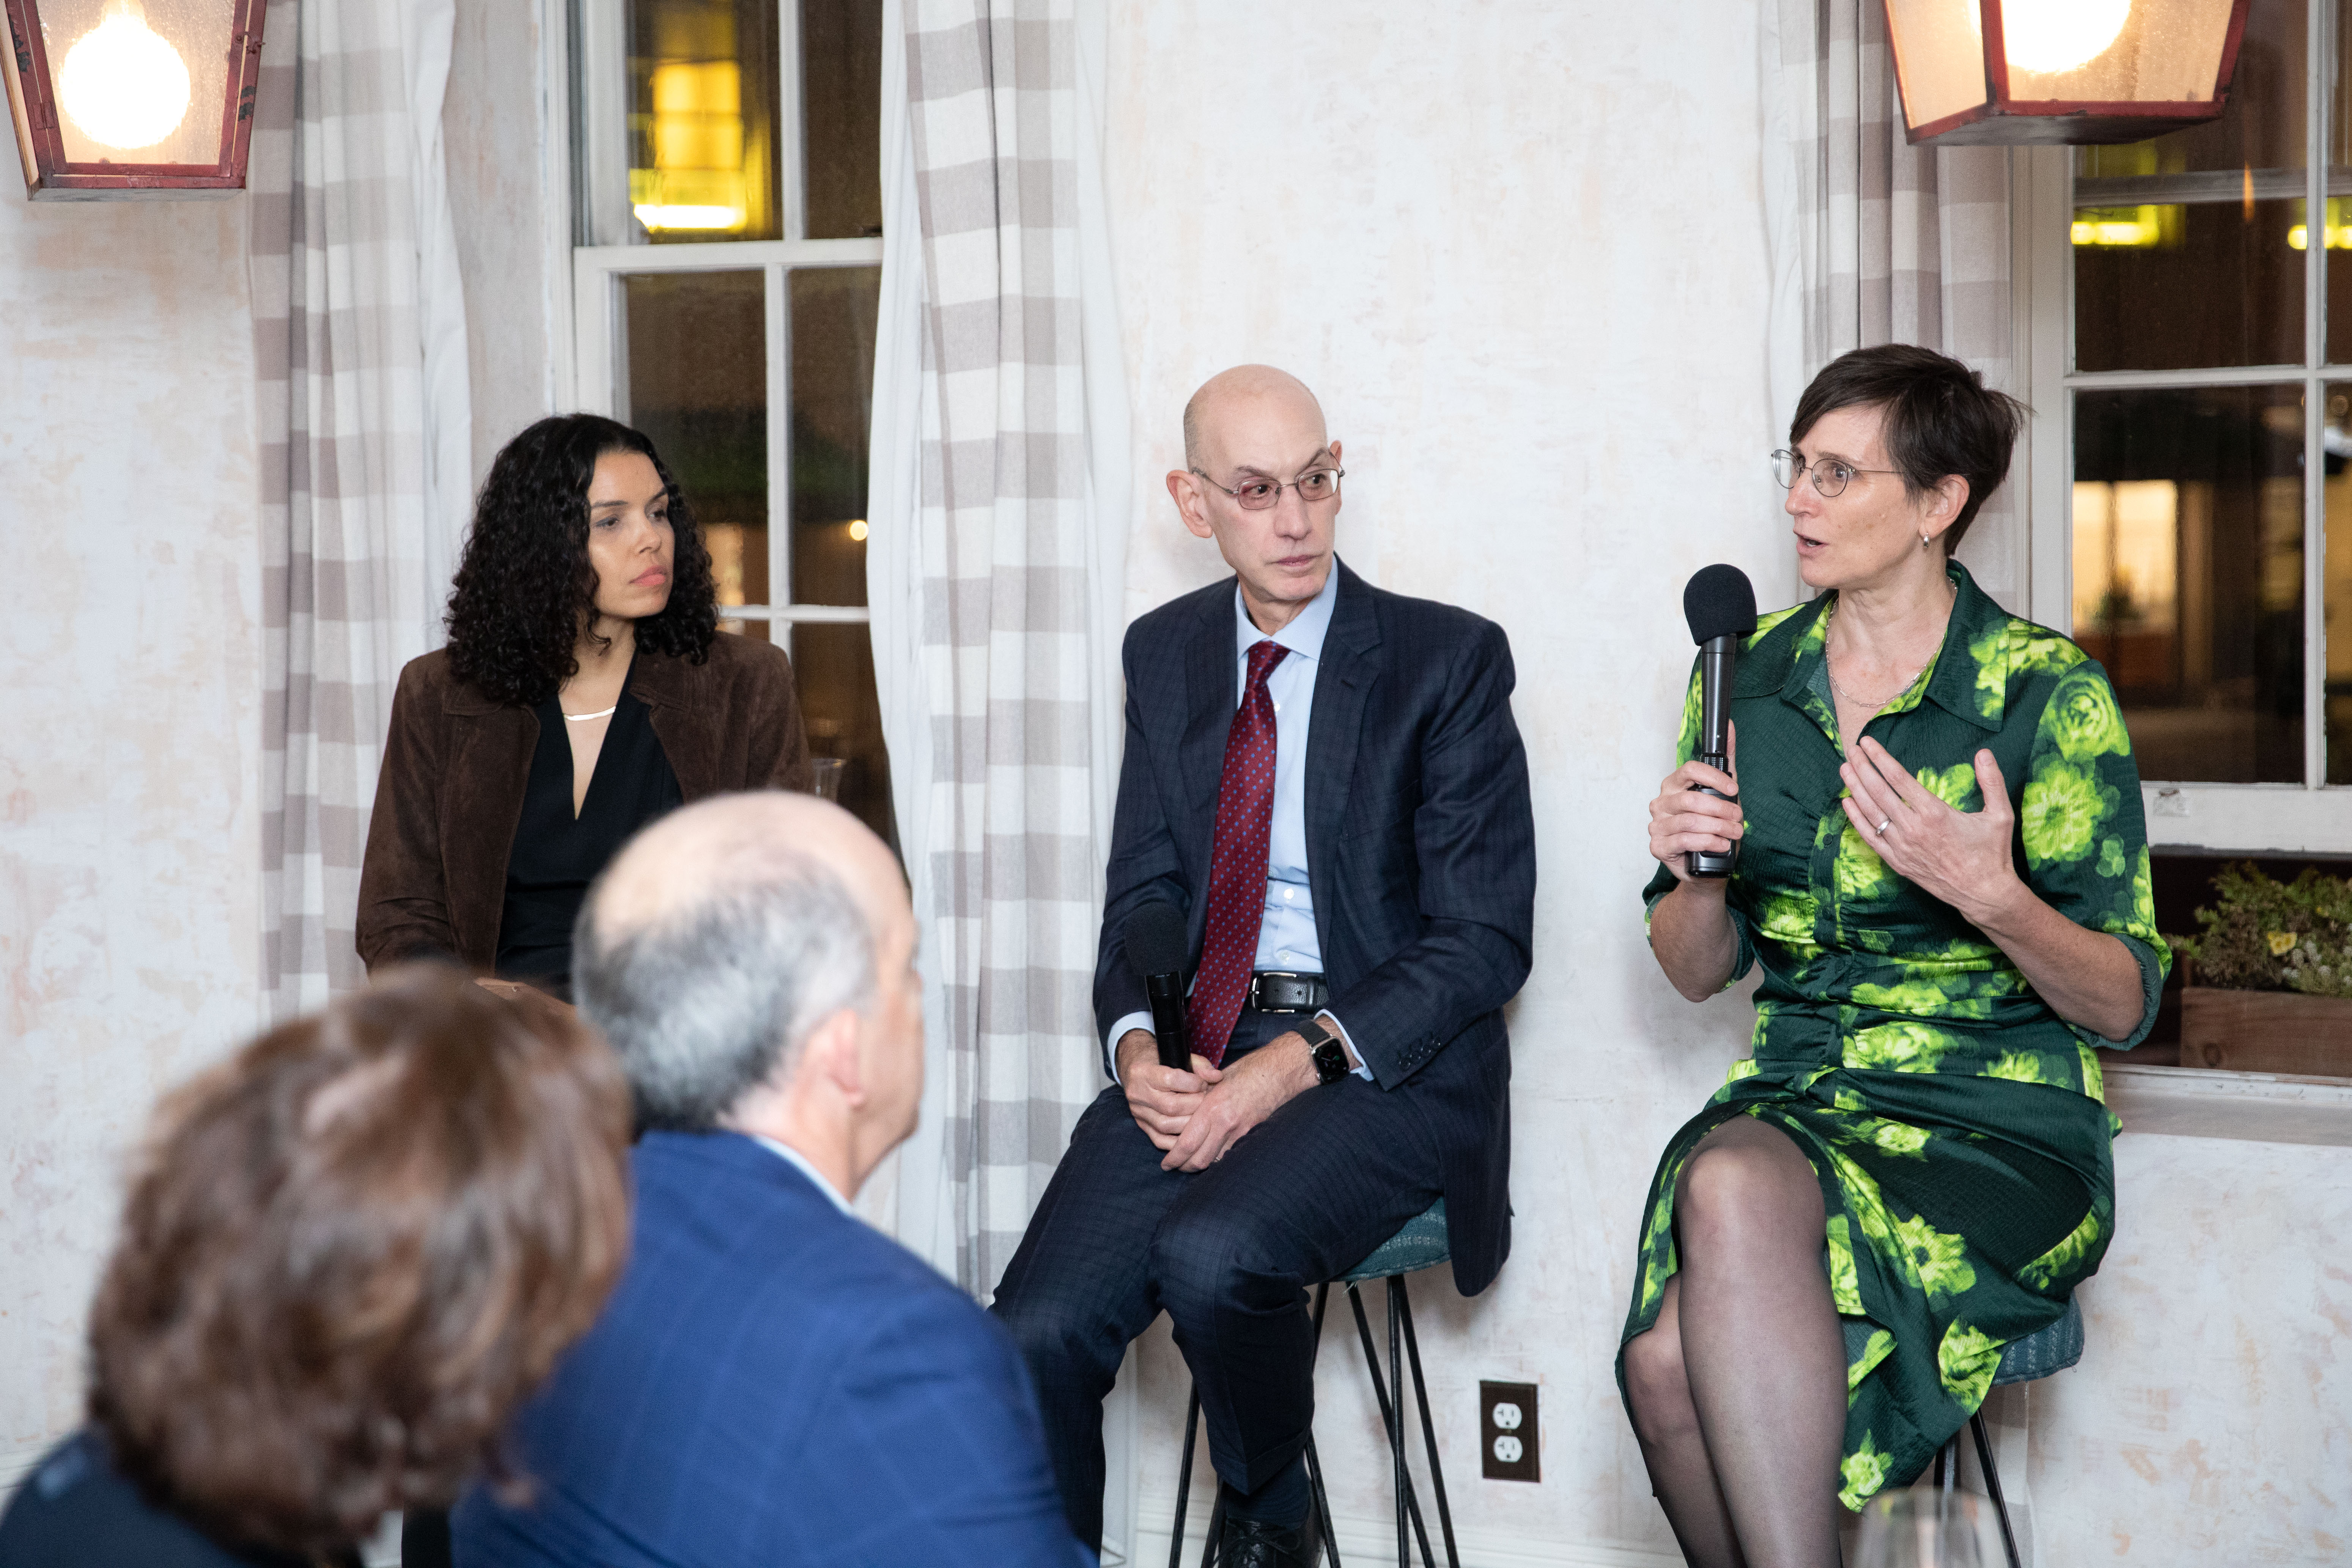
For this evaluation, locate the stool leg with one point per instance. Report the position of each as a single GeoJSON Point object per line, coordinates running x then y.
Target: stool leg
{"type": "Point", "coordinates": [1216, 1532]}
{"type": "Point", "coordinates": [1313, 1461]}
{"type": "Point", "coordinates": [1428, 1428]}
{"type": "Point", "coordinates": [1185, 1482]}
{"type": "Point", "coordinates": [1992, 1487]}
{"type": "Point", "coordinates": [1396, 1426]}
{"type": "Point", "coordinates": [1322, 1503]}
{"type": "Point", "coordinates": [1391, 1416]}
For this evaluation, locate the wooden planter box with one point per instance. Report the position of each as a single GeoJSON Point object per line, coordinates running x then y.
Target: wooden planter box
{"type": "Point", "coordinates": [2267, 1031]}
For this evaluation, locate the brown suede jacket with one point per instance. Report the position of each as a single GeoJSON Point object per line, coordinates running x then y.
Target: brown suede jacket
{"type": "Point", "coordinates": [455, 766]}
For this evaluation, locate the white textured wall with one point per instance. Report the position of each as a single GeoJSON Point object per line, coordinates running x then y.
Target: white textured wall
{"type": "Point", "coordinates": [1518, 250]}
{"type": "Point", "coordinates": [129, 651]}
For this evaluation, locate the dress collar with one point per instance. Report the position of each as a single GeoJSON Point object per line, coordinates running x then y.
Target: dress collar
{"type": "Point", "coordinates": [1969, 679]}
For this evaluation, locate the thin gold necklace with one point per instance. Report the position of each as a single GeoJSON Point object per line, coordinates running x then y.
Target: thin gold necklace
{"type": "Point", "coordinates": [1908, 681]}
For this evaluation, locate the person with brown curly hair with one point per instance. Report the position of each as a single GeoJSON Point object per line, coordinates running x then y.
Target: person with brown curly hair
{"type": "Point", "coordinates": [585, 690]}
{"type": "Point", "coordinates": [348, 1253]}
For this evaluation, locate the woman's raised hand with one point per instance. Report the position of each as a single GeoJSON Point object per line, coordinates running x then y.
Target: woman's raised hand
{"type": "Point", "coordinates": [1685, 817]}
{"type": "Point", "coordinates": [1960, 856]}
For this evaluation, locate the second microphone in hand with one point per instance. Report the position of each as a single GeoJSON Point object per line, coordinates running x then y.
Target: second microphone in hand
{"type": "Point", "coordinates": [1720, 605]}
{"type": "Point", "coordinates": [1155, 953]}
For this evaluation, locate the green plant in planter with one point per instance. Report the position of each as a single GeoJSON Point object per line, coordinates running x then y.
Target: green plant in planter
{"type": "Point", "coordinates": [2269, 935]}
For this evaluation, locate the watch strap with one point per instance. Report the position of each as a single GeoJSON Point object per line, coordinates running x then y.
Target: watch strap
{"type": "Point", "coordinates": [1331, 1054]}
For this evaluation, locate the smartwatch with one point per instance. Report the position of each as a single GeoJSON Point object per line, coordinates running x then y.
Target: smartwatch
{"type": "Point", "coordinates": [1330, 1055]}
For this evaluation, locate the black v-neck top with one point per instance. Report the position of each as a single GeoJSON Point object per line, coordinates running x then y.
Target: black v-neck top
{"type": "Point", "coordinates": [555, 856]}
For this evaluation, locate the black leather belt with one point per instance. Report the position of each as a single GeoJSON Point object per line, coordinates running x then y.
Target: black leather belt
{"type": "Point", "coordinates": [1280, 991]}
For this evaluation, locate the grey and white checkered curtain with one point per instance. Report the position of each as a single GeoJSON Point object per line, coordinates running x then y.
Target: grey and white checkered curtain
{"type": "Point", "coordinates": [361, 399]}
{"type": "Point", "coordinates": [1874, 240]}
{"type": "Point", "coordinates": [997, 593]}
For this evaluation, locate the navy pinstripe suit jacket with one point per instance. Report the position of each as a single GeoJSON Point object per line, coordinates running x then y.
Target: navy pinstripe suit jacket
{"type": "Point", "coordinates": [774, 1383]}
{"type": "Point", "coordinates": [1420, 852]}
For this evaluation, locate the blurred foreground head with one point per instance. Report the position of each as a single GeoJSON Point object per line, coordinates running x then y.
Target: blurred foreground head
{"type": "Point", "coordinates": [350, 1251]}
{"type": "Point", "coordinates": [752, 959]}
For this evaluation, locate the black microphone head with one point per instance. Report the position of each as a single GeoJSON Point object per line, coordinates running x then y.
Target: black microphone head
{"type": "Point", "coordinates": [1155, 941]}
{"type": "Point", "coordinates": [1720, 600]}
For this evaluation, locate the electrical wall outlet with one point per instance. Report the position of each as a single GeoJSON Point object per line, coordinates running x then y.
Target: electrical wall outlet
{"type": "Point", "coordinates": [1508, 1442]}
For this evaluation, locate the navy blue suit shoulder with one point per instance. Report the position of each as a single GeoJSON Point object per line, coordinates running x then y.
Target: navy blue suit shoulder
{"type": "Point", "coordinates": [774, 1383]}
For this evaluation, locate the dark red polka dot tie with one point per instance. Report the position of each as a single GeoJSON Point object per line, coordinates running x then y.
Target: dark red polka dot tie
{"type": "Point", "coordinates": [1237, 863]}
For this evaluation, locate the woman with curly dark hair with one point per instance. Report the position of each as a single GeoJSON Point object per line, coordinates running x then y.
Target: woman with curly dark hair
{"type": "Point", "coordinates": [585, 689]}
{"type": "Point", "coordinates": [348, 1253]}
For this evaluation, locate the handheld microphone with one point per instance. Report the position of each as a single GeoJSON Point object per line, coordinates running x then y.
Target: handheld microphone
{"type": "Point", "coordinates": [1155, 951]}
{"type": "Point", "coordinates": [1720, 605]}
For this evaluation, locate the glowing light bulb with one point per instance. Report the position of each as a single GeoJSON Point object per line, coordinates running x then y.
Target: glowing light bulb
{"type": "Point", "coordinates": [857, 529]}
{"type": "Point", "coordinates": [121, 84]}
{"type": "Point", "coordinates": [2050, 35]}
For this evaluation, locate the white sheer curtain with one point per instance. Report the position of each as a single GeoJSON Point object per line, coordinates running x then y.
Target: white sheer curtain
{"type": "Point", "coordinates": [365, 430]}
{"type": "Point", "coordinates": [998, 499]}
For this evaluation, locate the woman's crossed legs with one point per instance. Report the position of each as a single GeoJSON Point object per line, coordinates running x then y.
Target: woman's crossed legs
{"type": "Point", "coordinates": [1738, 1390]}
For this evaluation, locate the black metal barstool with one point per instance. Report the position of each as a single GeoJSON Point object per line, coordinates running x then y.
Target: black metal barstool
{"type": "Point", "coordinates": [1421, 1244]}
{"type": "Point", "coordinates": [2029, 1359]}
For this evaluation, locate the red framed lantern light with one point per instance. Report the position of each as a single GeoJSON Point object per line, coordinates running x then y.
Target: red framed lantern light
{"type": "Point", "coordinates": [120, 98]}
{"type": "Point", "coordinates": [2012, 72]}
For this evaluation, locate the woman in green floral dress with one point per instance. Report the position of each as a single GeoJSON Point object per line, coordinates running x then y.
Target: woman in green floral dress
{"type": "Point", "coordinates": [1943, 875]}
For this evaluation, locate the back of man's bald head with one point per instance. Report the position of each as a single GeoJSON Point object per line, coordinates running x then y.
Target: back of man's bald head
{"type": "Point", "coordinates": [1232, 395]}
{"type": "Point", "coordinates": [720, 936]}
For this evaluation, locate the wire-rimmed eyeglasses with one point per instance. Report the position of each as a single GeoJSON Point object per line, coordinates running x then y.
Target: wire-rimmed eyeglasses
{"type": "Point", "coordinates": [1256, 494]}
{"type": "Point", "coordinates": [1830, 475]}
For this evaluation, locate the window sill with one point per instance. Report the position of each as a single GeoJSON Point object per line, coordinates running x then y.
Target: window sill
{"type": "Point", "coordinates": [2252, 1107]}
{"type": "Point", "coordinates": [2247, 819]}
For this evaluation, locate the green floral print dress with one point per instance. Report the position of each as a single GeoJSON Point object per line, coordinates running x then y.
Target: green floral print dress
{"type": "Point", "coordinates": [1955, 1120]}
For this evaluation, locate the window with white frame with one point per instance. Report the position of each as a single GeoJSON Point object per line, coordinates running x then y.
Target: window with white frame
{"type": "Point", "coordinates": [727, 269]}
{"type": "Point", "coordinates": [2194, 522]}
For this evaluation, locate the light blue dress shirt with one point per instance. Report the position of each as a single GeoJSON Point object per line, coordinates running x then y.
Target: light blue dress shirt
{"type": "Point", "coordinates": [1286, 936]}
{"type": "Point", "coordinates": [800, 1162]}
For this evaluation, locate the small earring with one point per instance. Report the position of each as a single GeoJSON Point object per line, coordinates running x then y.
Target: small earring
{"type": "Point", "coordinates": [1923, 541]}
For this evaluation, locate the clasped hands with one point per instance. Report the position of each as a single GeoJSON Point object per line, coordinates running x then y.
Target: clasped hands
{"type": "Point", "coordinates": [1194, 1117]}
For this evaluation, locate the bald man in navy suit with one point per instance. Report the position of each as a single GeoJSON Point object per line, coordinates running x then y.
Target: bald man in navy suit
{"type": "Point", "coordinates": [1326, 779]}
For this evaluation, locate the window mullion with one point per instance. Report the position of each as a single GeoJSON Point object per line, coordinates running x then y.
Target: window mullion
{"type": "Point", "coordinates": [2314, 395]}
{"type": "Point", "coordinates": [779, 435]}
{"type": "Point", "coordinates": [602, 187]}
{"type": "Point", "coordinates": [791, 158]}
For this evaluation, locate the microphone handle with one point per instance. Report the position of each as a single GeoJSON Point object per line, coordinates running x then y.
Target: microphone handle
{"type": "Point", "coordinates": [1718, 657]}
{"type": "Point", "coordinates": [1718, 660]}
{"type": "Point", "coordinates": [1713, 863]}
{"type": "Point", "coordinates": [1167, 993]}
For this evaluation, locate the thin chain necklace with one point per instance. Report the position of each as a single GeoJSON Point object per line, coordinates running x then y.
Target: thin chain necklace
{"type": "Point", "coordinates": [1908, 681]}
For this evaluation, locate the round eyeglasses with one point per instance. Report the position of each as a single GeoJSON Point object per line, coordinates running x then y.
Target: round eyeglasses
{"type": "Point", "coordinates": [1256, 494]}
{"type": "Point", "coordinates": [1830, 475]}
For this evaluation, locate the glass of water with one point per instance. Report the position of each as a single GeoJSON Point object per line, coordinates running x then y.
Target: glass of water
{"type": "Point", "coordinates": [1929, 1528]}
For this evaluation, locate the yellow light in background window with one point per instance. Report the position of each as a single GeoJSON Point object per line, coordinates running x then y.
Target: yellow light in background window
{"type": "Point", "coordinates": [724, 540]}
{"type": "Point", "coordinates": [697, 180]}
{"type": "Point", "coordinates": [2126, 549]}
{"type": "Point", "coordinates": [2135, 228]}
{"type": "Point", "coordinates": [857, 529]}
{"type": "Point", "coordinates": [2339, 229]}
